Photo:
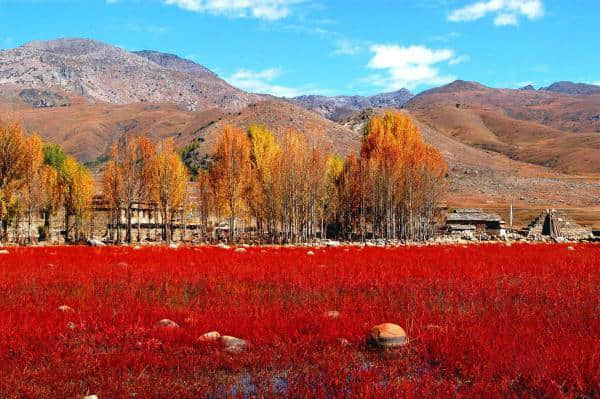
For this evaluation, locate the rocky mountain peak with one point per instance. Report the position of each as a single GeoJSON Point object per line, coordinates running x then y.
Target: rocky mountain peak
{"type": "Point", "coordinates": [69, 46]}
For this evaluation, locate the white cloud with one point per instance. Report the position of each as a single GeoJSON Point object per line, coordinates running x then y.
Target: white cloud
{"type": "Point", "coordinates": [408, 67]}
{"type": "Point", "coordinates": [345, 46]}
{"type": "Point", "coordinates": [261, 82]}
{"type": "Point", "coordinates": [459, 60]}
{"type": "Point", "coordinates": [261, 9]}
{"type": "Point", "coordinates": [506, 12]}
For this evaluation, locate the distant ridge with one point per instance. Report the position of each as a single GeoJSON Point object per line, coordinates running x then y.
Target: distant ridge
{"type": "Point", "coordinates": [340, 107]}
{"type": "Point", "coordinates": [456, 86]}
{"type": "Point", "coordinates": [573, 88]}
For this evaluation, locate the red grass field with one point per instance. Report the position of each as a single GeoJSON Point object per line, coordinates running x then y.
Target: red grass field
{"type": "Point", "coordinates": [483, 321]}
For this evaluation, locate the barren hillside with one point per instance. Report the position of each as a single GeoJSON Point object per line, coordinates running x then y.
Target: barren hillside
{"type": "Point", "coordinates": [545, 128]}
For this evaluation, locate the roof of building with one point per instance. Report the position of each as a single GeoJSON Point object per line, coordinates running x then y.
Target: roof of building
{"type": "Point", "coordinates": [458, 217]}
{"type": "Point", "coordinates": [461, 227]}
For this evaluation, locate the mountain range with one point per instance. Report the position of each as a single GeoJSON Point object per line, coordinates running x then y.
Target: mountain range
{"type": "Point", "coordinates": [538, 146]}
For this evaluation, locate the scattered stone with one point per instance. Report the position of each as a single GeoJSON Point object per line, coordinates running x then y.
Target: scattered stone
{"type": "Point", "coordinates": [3, 252]}
{"type": "Point", "coordinates": [433, 327]}
{"type": "Point", "coordinates": [344, 342]}
{"type": "Point", "coordinates": [166, 323]}
{"type": "Point", "coordinates": [223, 246]}
{"type": "Point", "coordinates": [212, 336]}
{"type": "Point", "coordinates": [570, 248]}
{"type": "Point", "coordinates": [240, 250]}
{"type": "Point", "coordinates": [310, 253]}
{"type": "Point", "coordinates": [95, 243]}
{"type": "Point", "coordinates": [332, 314]}
{"type": "Point", "coordinates": [386, 336]}
{"type": "Point", "coordinates": [233, 345]}
{"type": "Point", "coordinates": [90, 397]}
{"type": "Point", "coordinates": [72, 325]}
{"type": "Point", "coordinates": [137, 248]}
{"type": "Point", "coordinates": [66, 309]}
{"type": "Point", "coordinates": [173, 246]}
{"type": "Point", "coordinates": [123, 265]}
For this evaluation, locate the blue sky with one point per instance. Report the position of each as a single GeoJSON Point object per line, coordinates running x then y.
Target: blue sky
{"type": "Point", "coordinates": [291, 47]}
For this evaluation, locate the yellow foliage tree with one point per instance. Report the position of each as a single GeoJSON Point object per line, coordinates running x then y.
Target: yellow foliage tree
{"type": "Point", "coordinates": [32, 167]}
{"type": "Point", "coordinates": [169, 180]}
{"type": "Point", "coordinates": [77, 192]}
{"type": "Point", "coordinates": [12, 159]}
{"type": "Point", "coordinates": [265, 158]}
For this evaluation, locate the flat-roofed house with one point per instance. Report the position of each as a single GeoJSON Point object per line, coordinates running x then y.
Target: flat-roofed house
{"type": "Point", "coordinates": [475, 221]}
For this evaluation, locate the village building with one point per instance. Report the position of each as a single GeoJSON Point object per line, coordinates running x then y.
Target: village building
{"type": "Point", "coordinates": [474, 221]}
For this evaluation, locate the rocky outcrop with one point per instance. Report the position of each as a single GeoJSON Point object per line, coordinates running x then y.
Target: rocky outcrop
{"type": "Point", "coordinates": [43, 98]}
{"type": "Point", "coordinates": [340, 107]}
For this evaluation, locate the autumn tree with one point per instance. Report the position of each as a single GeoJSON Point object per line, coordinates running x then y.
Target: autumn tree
{"type": "Point", "coordinates": [31, 191]}
{"type": "Point", "coordinates": [51, 194]}
{"type": "Point", "coordinates": [168, 184]}
{"type": "Point", "coordinates": [399, 165]}
{"type": "Point", "coordinates": [265, 159]}
{"type": "Point", "coordinates": [205, 195]}
{"type": "Point", "coordinates": [230, 174]}
{"type": "Point", "coordinates": [77, 191]}
{"type": "Point", "coordinates": [127, 173]}
{"type": "Point", "coordinates": [12, 160]}
{"type": "Point", "coordinates": [112, 184]}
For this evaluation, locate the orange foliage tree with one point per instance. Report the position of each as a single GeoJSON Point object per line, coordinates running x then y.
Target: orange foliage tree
{"type": "Point", "coordinates": [404, 175]}
{"type": "Point", "coordinates": [230, 174]}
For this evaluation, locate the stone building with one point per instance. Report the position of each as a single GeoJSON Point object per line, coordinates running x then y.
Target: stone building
{"type": "Point", "coordinates": [474, 221]}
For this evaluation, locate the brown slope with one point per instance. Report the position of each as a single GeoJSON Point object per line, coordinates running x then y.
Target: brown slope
{"type": "Point", "coordinates": [544, 128]}
{"type": "Point", "coordinates": [87, 130]}
{"type": "Point", "coordinates": [281, 117]}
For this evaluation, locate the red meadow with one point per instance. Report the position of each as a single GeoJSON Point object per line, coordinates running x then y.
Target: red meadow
{"type": "Point", "coordinates": [481, 321]}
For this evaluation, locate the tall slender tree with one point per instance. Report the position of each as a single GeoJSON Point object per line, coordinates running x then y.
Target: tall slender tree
{"type": "Point", "coordinates": [230, 174]}
{"type": "Point", "coordinates": [169, 179]}
{"type": "Point", "coordinates": [32, 168]}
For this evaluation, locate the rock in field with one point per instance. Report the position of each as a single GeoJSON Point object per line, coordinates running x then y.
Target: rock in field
{"type": "Point", "coordinates": [166, 323]}
{"type": "Point", "coordinates": [66, 309]}
{"type": "Point", "coordinates": [310, 253]}
{"type": "Point", "coordinates": [90, 397]}
{"type": "Point", "coordinates": [332, 314]}
{"type": "Point", "coordinates": [210, 337]}
{"type": "Point", "coordinates": [571, 248]}
{"type": "Point", "coordinates": [95, 243]}
{"type": "Point", "coordinates": [233, 345]}
{"type": "Point", "coordinates": [387, 336]}
{"type": "Point", "coordinates": [240, 250]}
{"type": "Point", "coordinates": [3, 252]}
